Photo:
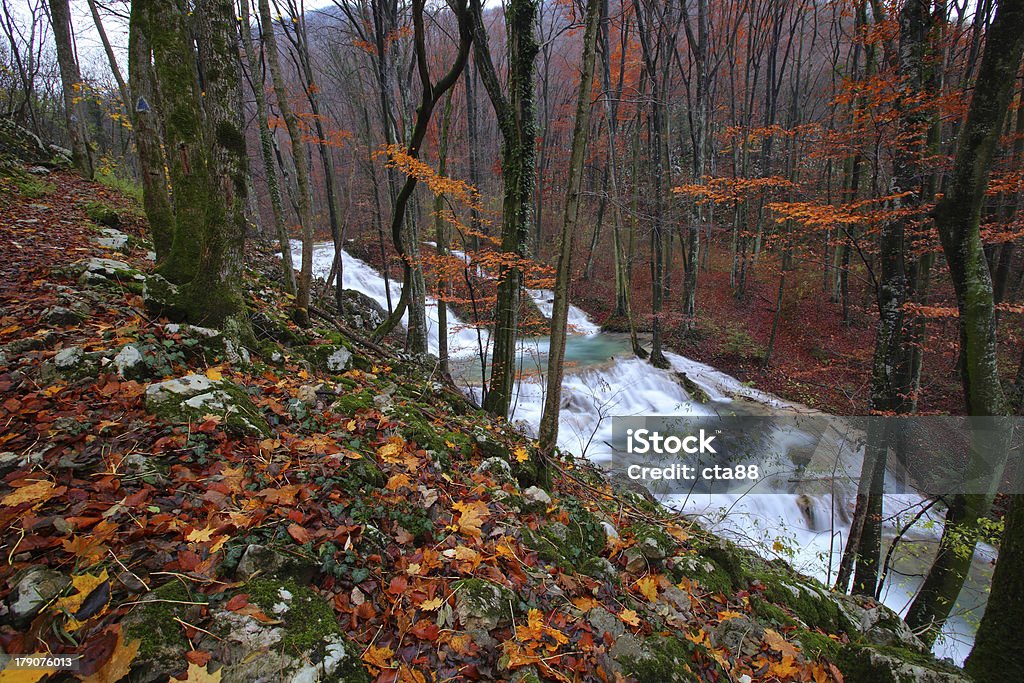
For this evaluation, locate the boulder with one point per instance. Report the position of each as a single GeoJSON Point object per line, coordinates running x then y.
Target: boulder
{"type": "Point", "coordinates": [105, 270]}
{"type": "Point", "coordinates": [130, 363]}
{"type": "Point", "coordinates": [192, 397]}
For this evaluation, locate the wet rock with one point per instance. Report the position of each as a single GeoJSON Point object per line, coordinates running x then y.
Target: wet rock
{"type": "Point", "coordinates": [31, 592]}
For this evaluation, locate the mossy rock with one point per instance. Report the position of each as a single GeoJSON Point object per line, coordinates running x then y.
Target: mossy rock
{"type": "Point", "coordinates": [162, 644]}
{"type": "Point", "coordinates": [570, 545]}
{"type": "Point", "coordinates": [667, 660]}
{"type": "Point", "coordinates": [652, 542]}
{"type": "Point", "coordinates": [818, 645]}
{"type": "Point", "coordinates": [708, 575]}
{"type": "Point", "coordinates": [811, 602]}
{"type": "Point", "coordinates": [331, 358]}
{"type": "Point", "coordinates": [103, 214]}
{"type": "Point", "coordinates": [307, 644]}
{"type": "Point", "coordinates": [352, 402]}
{"type": "Point", "coordinates": [192, 397]}
{"type": "Point", "coordinates": [483, 604]}
{"type": "Point", "coordinates": [862, 663]}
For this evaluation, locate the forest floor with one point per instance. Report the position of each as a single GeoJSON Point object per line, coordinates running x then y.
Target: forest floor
{"type": "Point", "coordinates": [327, 510]}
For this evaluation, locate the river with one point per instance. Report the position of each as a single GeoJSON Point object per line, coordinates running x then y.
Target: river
{"type": "Point", "coordinates": [805, 527]}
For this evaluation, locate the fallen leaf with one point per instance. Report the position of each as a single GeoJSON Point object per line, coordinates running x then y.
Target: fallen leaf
{"type": "Point", "coordinates": [118, 665]}
{"type": "Point", "coordinates": [521, 454]}
{"type": "Point", "coordinates": [630, 617]}
{"type": "Point", "coordinates": [299, 533]}
{"type": "Point", "coordinates": [379, 657]}
{"type": "Point", "coordinates": [200, 535]}
{"type": "Point", "coordinates": [214, 374]}
{"type": "Point", "coordinates": [37, 492]}
{"type": "Point", "coordinates": [398, 481]}
{"type": "Point", "coordinates": [199, 674]}
{"type": "Point", "coordinates": [775, 641]}
{"type": "Point", "coordinates": [648, 586]}
{"type": "Point", "coordinates": [472, 516]}
{"type": "Point", "coordinates": [432, 604]}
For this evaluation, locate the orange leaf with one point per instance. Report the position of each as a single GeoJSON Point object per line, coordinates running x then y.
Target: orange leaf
{"type": "Point", "coordinates": [299, 533]}
{"type": "Point", "coordinates": [648, 586]}
{"type": "Point", "coordinates": [473, 515]}
{"type": "Point", "coordinates": [119, 663]}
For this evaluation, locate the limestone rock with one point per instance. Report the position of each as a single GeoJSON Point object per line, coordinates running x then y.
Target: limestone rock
{"type": "Point", "coordinates": [192, 397]}
{"type": "Point", "coordinates": [483, 604]}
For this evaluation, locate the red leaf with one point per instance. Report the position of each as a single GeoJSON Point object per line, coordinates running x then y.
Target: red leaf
{"type": "Point", "coordinates": [233, 605]}
{"type": "Point", "coordinates": [398, 585]}
{"type": "Point", "coordinates": [299, 533]}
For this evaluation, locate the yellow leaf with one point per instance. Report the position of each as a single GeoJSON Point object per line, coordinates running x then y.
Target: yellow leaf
{"type": "Point", "coordinates": [38, 492]}
{"type": "Point", "coordinates": [398, 481]}
{"type": "Point", "coordinates": [214, 374]}
{"type": "Point", "coordinates": [84, 584]}
{"type": "Point", "coordinates": [787, 667]}
{"type": "Point", "coordinates": [775, 641]}
{"type": "Point", "coordinates": [392, 449]}
{"type": "Point", "coordinates": [630, 617]}
{"type": "Point", "coordinates": [11, 675]}
{"type": "Point", "coordinates": [431, 605]}
{"type": "Point", "coordinates": [648, 586]}
{"type": "Point", "coordinates": [677, 532]}
{"type": "Point", "coordinates": [726, 615]}
{"type": "Point", "coordinates": [199, 674]}
{"type": "Point", "coordinates": [200, 535]}
{"type": "Point", "coordinates": [119, 663]}
{"type": "Point", "coordinates": [473, 515]}
{"type": "Point", "coordinates": [522, 455]}
{"type": "Point", "coordinates": [379, 657]}
{"type": "Point", "coordinates": [218, 543]}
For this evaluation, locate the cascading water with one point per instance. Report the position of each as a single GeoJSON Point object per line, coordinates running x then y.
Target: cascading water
{"type": "Point", "coordinates": [603, 379]}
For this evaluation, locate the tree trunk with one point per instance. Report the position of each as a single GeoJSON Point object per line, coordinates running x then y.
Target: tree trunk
{"type": "Point", "coordinates": [957, 217]}
{"type": "Point", "coordinates": [516, 120]}
{"type": "Point", "coordinates": [563, 273]}
{"type": "Point", "coordinates": [441, 239]}
{"type": "Point", "coordinates": [267, 152]}
{"type": "Point", "coordinates": [152, 163]}
{"type": "Point", "coordinates": [301, 161]}
{"type": "Point", "coordinates": [71, 87]}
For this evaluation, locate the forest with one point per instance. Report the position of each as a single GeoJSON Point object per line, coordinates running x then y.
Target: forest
{"type": "Point", "coordinates": [322, 325]}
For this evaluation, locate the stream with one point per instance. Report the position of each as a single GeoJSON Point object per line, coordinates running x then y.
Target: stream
{"type": "Point", "coordinates": [804, 525]}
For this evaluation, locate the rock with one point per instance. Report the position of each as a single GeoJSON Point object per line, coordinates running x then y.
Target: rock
{"type": "Point", "coordinates": [339, 361]}
{"type": "Point", "coordinates": [260, 560]}
{"type": "Point", "coordinates": [129, 363]}
{"type": "Point", "coordinates": [483, 604]}
{"type": "Point", "coordinates": [537, 495]}
{"type": "Point", "coordinates": [497, 468]}
{"type": "Point", "coordinates": [865, 664]}
{"type": "Point", "coordinates": [602, 621]}
{"type": "Point", "coordinates": [111, 239]}
{"type": "Point", "coordinates": [162, 296]}
{"type": "Point", "coordinates": [71, 363]}
{"type": "Point", "coordinates": [61, 316]}
{"type": "Point", "coordinates": [601, 569]}
{"type": "Point", "coordinates": [739, 635]}
{"type": "Point", "coordinates": [68, 358]}
{"type": "Point", "coordinates": [362, 311]}
{"type": "Point", "coordinates": [609, 530]}
{"type": "Point", "coordinates": [307, 394]}
{"type": "Point", "coordinates": [305, 646]}
{"type": "Point", "coordinates": [31, 592]}
{"type": "Point", "coordinates": [97, 270]}
{"type": "Point", "coordinates": [628, 646]}
{"type": "Point", "coordinates": [192, 397]}
{"type": "Point", "coordinates": [652, 542]}
{"type": "Point", "coordinates": [10, 461]}
{"type": "Point", "coordinates": [879, 625]}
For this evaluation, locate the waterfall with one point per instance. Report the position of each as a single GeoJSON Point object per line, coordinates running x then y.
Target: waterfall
{"type": "Point", "coordinates": [603, 379]}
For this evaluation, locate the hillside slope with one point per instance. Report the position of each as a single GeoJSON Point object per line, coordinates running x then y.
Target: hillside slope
{"type": "Point", "coordinates": [314, 508]}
